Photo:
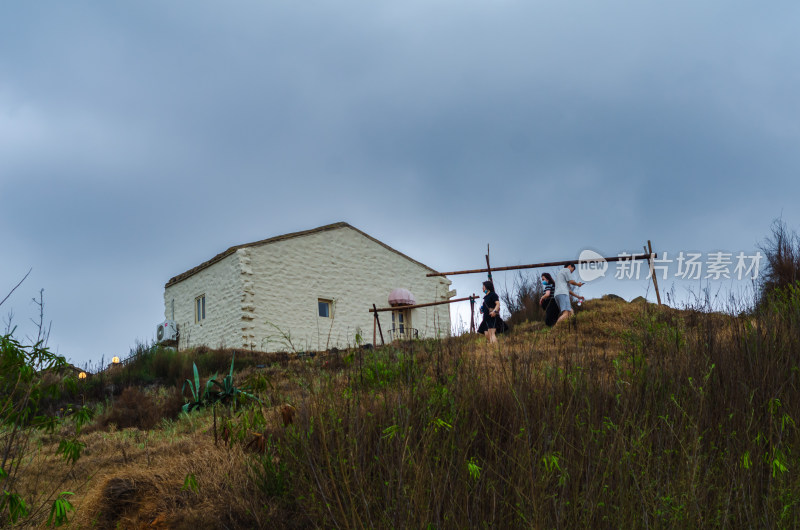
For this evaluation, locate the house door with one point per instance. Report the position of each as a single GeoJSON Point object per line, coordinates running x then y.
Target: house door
{"type": "Point", "coordinates": [401, 324]}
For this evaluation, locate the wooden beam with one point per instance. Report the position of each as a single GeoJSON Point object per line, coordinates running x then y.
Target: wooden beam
{"type": "Point", "coordinates": [399, 307]}
{"type": "Point", "coordinates": [539, 265]}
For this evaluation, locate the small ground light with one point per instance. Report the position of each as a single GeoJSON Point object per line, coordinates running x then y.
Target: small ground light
{"type": "Point", "coordinates": [82, 375]}
{"type": "Point", "coordinates": [115, 360]}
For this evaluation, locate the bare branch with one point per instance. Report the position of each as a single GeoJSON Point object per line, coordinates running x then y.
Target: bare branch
{"type": "Point", "coordinates": [15, 287]}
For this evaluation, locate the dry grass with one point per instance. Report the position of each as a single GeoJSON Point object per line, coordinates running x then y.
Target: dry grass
{"type": "Point", "coordinates": [148, 490]}
{"type": "Point", "coordinates": [134, 479]}
{"type": "Point", "coordinates": [630, 415]}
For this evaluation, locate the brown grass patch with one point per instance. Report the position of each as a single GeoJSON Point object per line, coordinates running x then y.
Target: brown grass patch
{"type": "Point", "coordinates": [142, 410]}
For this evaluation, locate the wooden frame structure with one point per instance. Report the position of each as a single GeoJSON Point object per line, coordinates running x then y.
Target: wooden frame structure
{"type": "Point", "coordinates": [649, 255]}
{"type": "Point", "coordinates": [376, 324]}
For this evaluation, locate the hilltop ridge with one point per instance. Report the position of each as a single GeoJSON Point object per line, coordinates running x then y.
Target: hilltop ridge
{"type": "Point", "coordinates": [603, 421]}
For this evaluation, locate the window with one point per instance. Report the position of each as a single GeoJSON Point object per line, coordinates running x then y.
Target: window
{"type": "Point", "coordinates": [200, 308]}
{"type": "Point", "coordinates": [325, 307]}
{"type": "Point", "coordinates": [401, 325]}
{"type": "Point", "coordinates": [399, 321]}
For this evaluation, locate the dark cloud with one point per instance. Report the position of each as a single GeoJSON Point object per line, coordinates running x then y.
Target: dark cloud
{"type": "Point", "coordinates": [138, 140]}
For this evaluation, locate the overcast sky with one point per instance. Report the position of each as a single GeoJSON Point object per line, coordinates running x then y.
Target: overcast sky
{"type": "Point", "coordinates": [138, 139]}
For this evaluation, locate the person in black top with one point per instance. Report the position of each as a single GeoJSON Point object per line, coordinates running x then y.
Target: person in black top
{"type": "Point", "coordinates": [548, 302]}
{"type": "Point", "coordinates": [549, 287]}
{"type": "Point", "coordinates": [492, 323]}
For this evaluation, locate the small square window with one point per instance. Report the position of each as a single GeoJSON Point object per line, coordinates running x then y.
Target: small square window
{"type": "Point", "coordinates": [325, 307]}
{"type": "Point", "coordinates": [200, 308]}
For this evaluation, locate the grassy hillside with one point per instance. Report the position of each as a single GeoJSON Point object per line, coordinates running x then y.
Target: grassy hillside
{"type": "Point", "coordinates": [633, 416]}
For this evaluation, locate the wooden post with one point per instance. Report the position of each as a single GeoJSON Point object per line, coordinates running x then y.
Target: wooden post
{"type": "Point", "coordinates": [374, 327]}
{"type": "Point", "coordinates": [488, 267]}
{"type": "Point", "coordinates": [377, 320]}
{"type": "Point", "coordinates": [653, 271]}
{"type": "Point", "coordinates": [472, 313]}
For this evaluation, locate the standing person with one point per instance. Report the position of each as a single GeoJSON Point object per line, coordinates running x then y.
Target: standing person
{"type": "Point", "coordinates": [562, 292]}
{"type": "Point", "coordinates": [548, 301]}
{"type": "Point", "coordinates": [491, 313]}
{"type": "Point", "coordinates": [548, 286]}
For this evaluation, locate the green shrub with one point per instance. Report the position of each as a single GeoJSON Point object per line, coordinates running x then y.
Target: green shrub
{"type": "Point", "coordinates": [29, 377]}
{"type": "Point", "coordinates": [215, 391]}
{"type": "Point", "coordinates": [782, 253]}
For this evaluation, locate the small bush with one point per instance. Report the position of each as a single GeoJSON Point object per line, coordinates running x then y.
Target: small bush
{"type": "Point", "coordinates": [163, 364]}
{"type": "Point", "coordinates": [213, 361]}
{"type": "Point", "coordinates": [782, 252]}
{"type": "Point", "coordinates": [142, 410]}
{"type": "Point", "coordinates": [522, 301]}
{"type": "Point", "coordinates": [269, 473]}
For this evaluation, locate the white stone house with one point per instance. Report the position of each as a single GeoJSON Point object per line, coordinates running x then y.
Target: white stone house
{"type": "Point", "coordinates": [305, 291]}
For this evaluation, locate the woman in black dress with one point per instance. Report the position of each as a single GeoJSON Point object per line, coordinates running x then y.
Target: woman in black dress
{"type": "Point", "coordinates": [547, 302]}
{"type": "Point", "coordinates": [492, 323]}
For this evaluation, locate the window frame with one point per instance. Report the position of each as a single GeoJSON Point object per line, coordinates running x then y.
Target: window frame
{"type": "Point", "coordinates": [329, 303]}
{"type": "Point", "coordinates": [400, 320]}
{"type": "Point", "coordinates": [199, 308]}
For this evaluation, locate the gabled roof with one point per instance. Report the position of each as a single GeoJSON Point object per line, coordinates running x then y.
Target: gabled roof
{"type": "Point", "coordinates": [335, 226]}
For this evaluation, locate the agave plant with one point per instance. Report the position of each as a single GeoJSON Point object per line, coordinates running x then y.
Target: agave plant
{"type": "Point", "coordinates": [209, 396]}
{"type": "Point", "coordinates": [227, 390]}
{"type": "Point", "coordinates": [198, 399]}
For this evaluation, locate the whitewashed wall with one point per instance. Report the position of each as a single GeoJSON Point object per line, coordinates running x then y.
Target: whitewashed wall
{"type": "Point", "coordinates": [265, 297]}
{"type": "Point", "coordinates": [221, 283]}
{"type": "Point", "coordinates": [342, 265]}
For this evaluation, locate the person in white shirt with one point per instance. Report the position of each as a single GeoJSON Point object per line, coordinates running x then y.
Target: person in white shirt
{"type": "Point", "coordinates": [562, 292]}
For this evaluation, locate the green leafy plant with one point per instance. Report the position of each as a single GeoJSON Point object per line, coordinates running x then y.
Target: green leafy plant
{"type": "Point", "coordinates": [439, 423]}
{"type": "Point", "coordinates": [61, 507]}
{"type": "Point", "coordinates": [198, 399]}
{"type": "Point", "coordinates": [30, 377]}
{"type": "Point", "coordinates": [70, 450]}
{"type": "Point", "coordinates": [550, 462]}
{"type": "Point", "coordinates": [15, 505]}
{"type": "Point", "coordinates": [473, 468]}
{"type": "Point", "coordinates": [390, 432]}
{"type": "Point", "coordinates": [269, 473]}
{"type": "Point", "coordinates": [225, 392]}
{"type": "Point", "coordinates": [190, 483]}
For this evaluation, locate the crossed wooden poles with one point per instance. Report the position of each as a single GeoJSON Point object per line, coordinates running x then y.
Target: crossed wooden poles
{"type": "Point", "coordinates": [377, 323]}
{"type": "Point", "coordinates": [649, 255]}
